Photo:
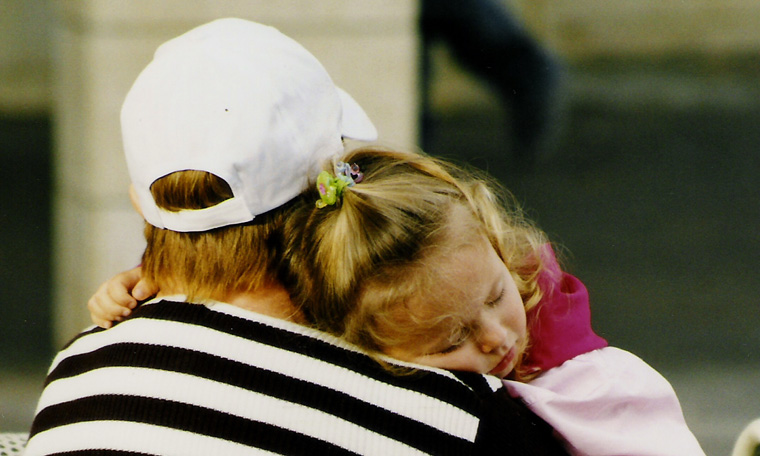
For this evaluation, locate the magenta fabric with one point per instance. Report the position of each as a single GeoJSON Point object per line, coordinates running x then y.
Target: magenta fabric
{"type": "Point", "coordinates": [560, 325]}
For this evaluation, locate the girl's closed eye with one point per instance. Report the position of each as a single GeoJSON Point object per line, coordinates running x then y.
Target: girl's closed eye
{"type": "Point", "coordinates": [461, 335]}
{"type": "Point", "coordinates": [450, 348]}
{"type": "Point", "coordinates": [455, 341]}
{"type": "Point", "coordinates": [495, 302]}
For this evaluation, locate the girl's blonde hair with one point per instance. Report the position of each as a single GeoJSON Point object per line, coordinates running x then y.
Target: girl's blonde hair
{"type": "Point", "coordinates": [210, 264]}
{"type": "Point", "coordinates": [354, 267]}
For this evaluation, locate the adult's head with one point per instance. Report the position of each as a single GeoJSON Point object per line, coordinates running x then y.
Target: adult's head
{"type": "Point", "coordinates": [225, 126]}
{"type": "Point", "coordinates": [365, 267]}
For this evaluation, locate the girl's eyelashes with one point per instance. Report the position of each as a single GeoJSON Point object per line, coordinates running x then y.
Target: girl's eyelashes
{"type": "Point", "coordinates": [449, 349]}
{"type": "Point", "coordinates": [456, 340]}
{"type": "Point", "coordinates": [497, 300]}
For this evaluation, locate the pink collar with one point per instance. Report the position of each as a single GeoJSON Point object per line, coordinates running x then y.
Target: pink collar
{"type": "Point", "coordinates": [560, 325]}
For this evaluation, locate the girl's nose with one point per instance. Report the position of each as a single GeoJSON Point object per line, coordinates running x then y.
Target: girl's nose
{"type": "Point", "coordinates": [492, 336]}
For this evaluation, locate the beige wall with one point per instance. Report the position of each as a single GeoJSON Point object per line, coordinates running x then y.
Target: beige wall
{"type": "Point", "coordinates": [582, 29]}
{"type": "Point", "coordinates": [579, 29]}
{"type": "Point", "coordinates": [25, 56]}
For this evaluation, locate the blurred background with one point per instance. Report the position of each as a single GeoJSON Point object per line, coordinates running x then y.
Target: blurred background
{"type": "Point", "coordinates": [646, 169]}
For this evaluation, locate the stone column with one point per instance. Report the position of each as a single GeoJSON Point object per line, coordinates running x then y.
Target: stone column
{"type": "Point", "coordinates": [369, 47]}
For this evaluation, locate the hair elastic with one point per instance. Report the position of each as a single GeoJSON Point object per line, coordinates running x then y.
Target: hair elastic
{"type": "Point", "coordinates": [331, 188]}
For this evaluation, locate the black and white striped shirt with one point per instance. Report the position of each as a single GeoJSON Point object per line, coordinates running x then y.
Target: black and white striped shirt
{"type": "Point", "coordinates": [182, 379]}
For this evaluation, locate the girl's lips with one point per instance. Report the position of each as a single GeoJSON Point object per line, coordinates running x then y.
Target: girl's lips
{"type": "Point", "coordinates": [504, 363]}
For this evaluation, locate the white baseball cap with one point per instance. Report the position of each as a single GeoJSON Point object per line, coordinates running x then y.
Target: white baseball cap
{"type": "Point", "coordinates": [244, 102]}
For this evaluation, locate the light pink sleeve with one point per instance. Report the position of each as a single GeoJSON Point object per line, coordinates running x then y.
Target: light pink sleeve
{"type": "Point", "coordinates": [610, 402]}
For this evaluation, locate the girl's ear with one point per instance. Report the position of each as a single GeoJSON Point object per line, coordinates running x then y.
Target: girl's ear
{"type": "Point", "coordinates": [135, 201]}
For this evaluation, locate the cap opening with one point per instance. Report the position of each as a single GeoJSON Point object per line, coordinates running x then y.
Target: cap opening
{"type": "Point", "coordinates": [189, 189]}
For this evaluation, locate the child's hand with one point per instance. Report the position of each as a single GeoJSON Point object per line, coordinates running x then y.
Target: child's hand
{"type": "Point", "coordinates": [116, 298]}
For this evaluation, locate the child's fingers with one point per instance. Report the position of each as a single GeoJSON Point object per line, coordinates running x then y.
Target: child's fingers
{"type": "Point", "coordinates": [143, 290]}
{"type": "Point", "coordinates": [116, 298]}
{"type": "Point", "coordinates": [105, 324]}
{"type": "Point", "coordinates": [98, 315]}
{"type": "Point", "coordinates": [103, 309]}
{"type": "Point", "coordinates": [116, 294]}
{"type": "Point", "coordinates": [121, 286]}
{"type": "Point", "coordinates": [108, 306]}
{"type": "Point", "coordinates": [112, 301]}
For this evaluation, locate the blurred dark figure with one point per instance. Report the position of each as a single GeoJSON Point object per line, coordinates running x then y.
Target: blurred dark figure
{"type": "Point", "coordinates": [488, 41]}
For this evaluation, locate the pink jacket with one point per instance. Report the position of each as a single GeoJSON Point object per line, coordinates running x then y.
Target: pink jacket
{"type": "Point", "coordinates": [600, 400]}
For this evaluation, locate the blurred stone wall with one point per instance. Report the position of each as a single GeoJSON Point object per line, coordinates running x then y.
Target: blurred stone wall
{"type": "Point", "coordinates": [25, 62]}
{"type": "Point", "coordinates": [583, 29]}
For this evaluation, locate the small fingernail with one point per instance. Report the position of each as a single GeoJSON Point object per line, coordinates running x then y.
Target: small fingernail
{"type": "Point", "coordinates": [139, 293]}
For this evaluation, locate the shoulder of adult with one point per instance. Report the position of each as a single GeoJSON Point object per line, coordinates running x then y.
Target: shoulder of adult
{"type": "Point", "coordinates": [509, 427]}
{"type": "Point", "coordinates": [273, 384]}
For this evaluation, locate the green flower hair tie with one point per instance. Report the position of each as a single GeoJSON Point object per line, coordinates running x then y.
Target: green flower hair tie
{"type": "Point", "coordinates": [331, 188]}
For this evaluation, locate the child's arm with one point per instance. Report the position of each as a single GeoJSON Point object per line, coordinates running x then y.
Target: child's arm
{"type": "Point", "coordinates": [116, 298]}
